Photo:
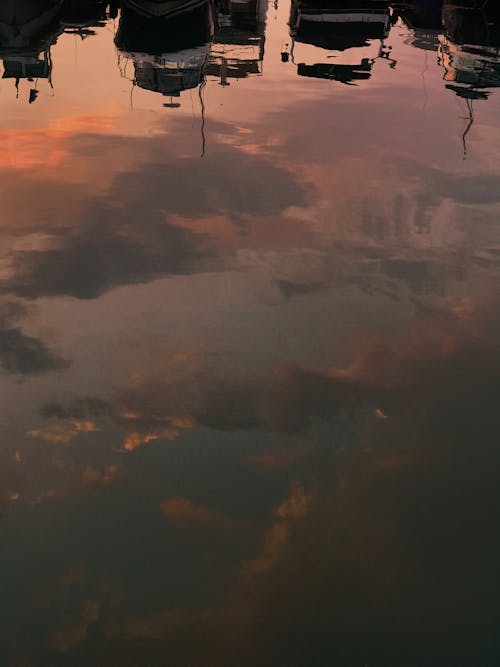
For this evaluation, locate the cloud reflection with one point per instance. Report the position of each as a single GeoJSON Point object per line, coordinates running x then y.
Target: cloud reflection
{"type": "Point", "coordinates": [21, 354]}
{"type": "Point", "coordinates": [140, 237]}
{"type": "Point", "coordinates": [374, 549]}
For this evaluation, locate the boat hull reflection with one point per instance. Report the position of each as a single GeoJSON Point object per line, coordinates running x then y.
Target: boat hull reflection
{"type": "Point", "coordinates": [351, 27]}
{"type": "Point", "coordinates": [169, 52]}
{"type": "Point", "coordinates": [470, 48]}
{"type": "Point", "coordinates": [27, 26]}
{"type": "Point", "coordinates": [424, 19]}
{"type": "Point", "coordinates": [239, 40]}
{"type": "Point", "coordinates": [79, 14]}
{"type": "Point", "coordinates": [339, 25]}
{"type": "Point", "coordinates": [161, 8]}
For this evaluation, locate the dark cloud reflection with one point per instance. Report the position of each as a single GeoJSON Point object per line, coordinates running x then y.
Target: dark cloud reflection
{"type": "Point", "coordinates": [21, 354]}
{"type": "Point", "coordinates": [114, 247]}
{"type": "Point", "coordinates": [24, 355]}
{"type": "Point", "coordinates": [138, 238]}
{"type": "Point", "coordinates": [383, 554]}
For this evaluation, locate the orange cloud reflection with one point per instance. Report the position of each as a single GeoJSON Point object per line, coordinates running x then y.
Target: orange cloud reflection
{"type": "Point", "coordinates": [30, 149]}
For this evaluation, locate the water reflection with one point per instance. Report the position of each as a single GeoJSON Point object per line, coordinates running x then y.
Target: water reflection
{"type": "Point", "coordinates": [249, 399]}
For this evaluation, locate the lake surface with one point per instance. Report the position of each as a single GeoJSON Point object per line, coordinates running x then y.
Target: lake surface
{"type": "Point", "coordinates": [250, 335]}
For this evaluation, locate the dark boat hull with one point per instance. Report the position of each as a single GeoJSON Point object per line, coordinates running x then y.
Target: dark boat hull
{"type": "Point", "coordinates": [179, 30]}
{"type": "Point", "coordinates": [339, 25]}
{"type": "Point", "coordinates": [466, 24]}
{"type": "Point", "coordinates": [421, 14]}
{"type": "Point", "coordinates": [27, 26]}
{"type": "Point", "coordinates": [160, 8]}
{"type": "Point", "coordinates": [84, 12]}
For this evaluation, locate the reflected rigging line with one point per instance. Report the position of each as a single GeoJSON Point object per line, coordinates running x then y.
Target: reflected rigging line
{"type": "Point", "coordinates": [132, 94]}
{"type": "Point", "coordinates": [424, 84]}
{"type": "Point", "coordinates": [202, 106]}
{"type": "Point", "coordinates": [468, 128]}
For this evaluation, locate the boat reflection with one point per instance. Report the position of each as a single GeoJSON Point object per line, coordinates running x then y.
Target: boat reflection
{"type": "Point", "coordinates": [238, 45]}
{"type": "Point", "coordinates": [171, 46]}
{"type": "Point", "coordinates": [27, 32]}
{"type": "Point", "coordinates": [81, 16]}
{"type": "Point", "coordinates": [424, 19]}
{"type": "Point", "coordinates": [168, 44]}
{"type": "Point", "coordinates": [349, 28]}
{"type": "Point", "coordinates": [470, 48]}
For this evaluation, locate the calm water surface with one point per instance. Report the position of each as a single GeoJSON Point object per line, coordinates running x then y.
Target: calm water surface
{"type": "Point", "coordinates": [249, 335]}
